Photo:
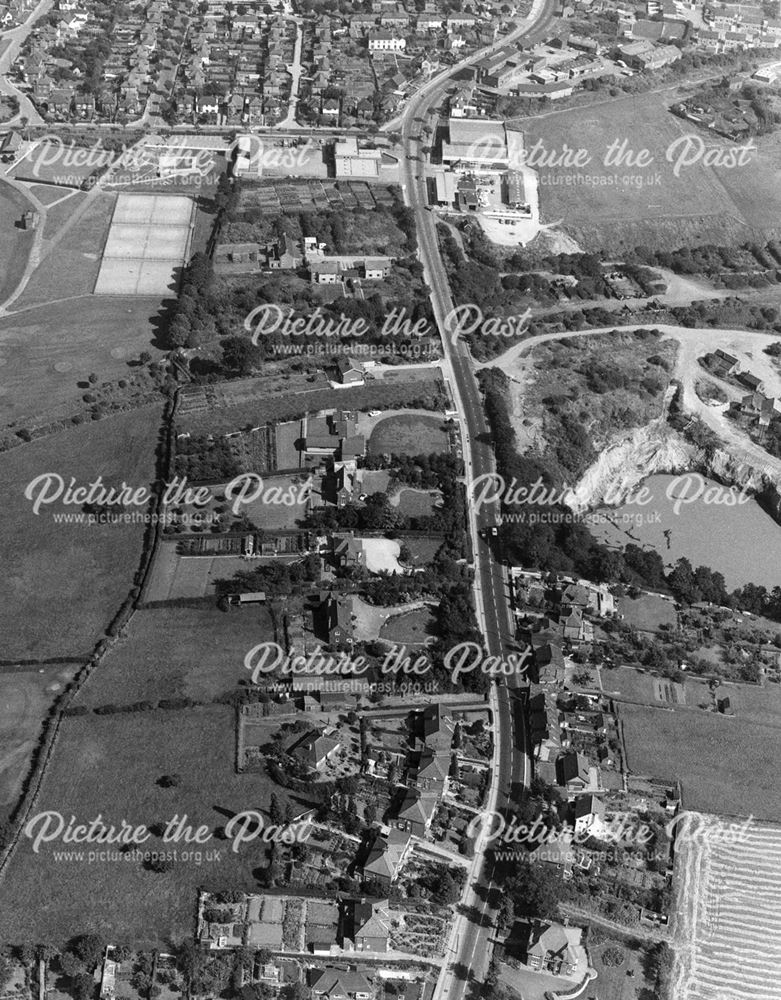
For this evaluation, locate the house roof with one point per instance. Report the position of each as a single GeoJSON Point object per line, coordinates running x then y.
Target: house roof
{"type": "Point", "coordinates": [346, 364]}
{"type": "Point", "coordinates": [589, 805]}
{"type": "Point", "coordinates": [572, 766]}
{"type": "Point", "coordinates": [551, 938]}
{"type": "Point", "coordinates": [558, 852]}
{"type": "Point", "coordinates": [418, 807]}
{"type": "Point", "coordinates": [386, 854]}
{"type": "Point", "coordinates": [370, 920]}
{"type": "Point", "coordinates": [339, 982]}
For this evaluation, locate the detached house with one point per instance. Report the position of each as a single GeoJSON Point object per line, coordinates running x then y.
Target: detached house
{"type": "Point", "coordinates": [339, 984]}
{"type": "Point", "coordinates": [589, 816]}
{"type": "Point", "coordinates": [367, 925]}
{"type": "Point", "coordinates": [315, 748]}
{"type": "Point", "coordinates": [550, 950]}
{"type": "Point", "coordinates": [386, 857]}
{"type": "Point", "coordinates": [572, 771]}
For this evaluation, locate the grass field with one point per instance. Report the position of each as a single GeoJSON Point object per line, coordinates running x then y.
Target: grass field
{"type": "Point", "coordinates": [623, 205]}
{"type": "Point", "coordinates": [647, 612]}
{"type": "Point", "coordinates": [70, 266]}
{"type": "Point", "coordinates": [722, 762]}
{"type": "Point", "coordinates": [15, 243]}
{"type": "Point", "coordinates": [417, 503]}
{"type": "Point", "coordinates": [178, 652]}
{"type": "Point", "coordinates": [65, 582]}
{"type": "Point", "coordinates": [58, 215]}
{"type": "Point", "coordinates": [409, 435]}
{"type": "Point", "coordinates": [410, 628]}
{"type": "Point", "coordinates": [110, 766]}
{"type": "Point", "coordinates": [25, 699]}
{"type": "Point", "coordinates": [46, 352]}
{"type": "Point", "coordinates": [49, 195]}
{"type": "Point", "coordinates": [37, 165]}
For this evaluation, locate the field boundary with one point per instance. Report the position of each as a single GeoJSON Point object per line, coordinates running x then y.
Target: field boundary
{"type": "Point", "coordinates": [114, 632]}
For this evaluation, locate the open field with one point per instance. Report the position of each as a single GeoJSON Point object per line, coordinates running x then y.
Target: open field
{"type": "Point", "coordinates": [49, 195]}
{"type": "Point", "coordinates": [58, 214]}
{"type": "Point", "coordinates": [70, 266]}
{"type": "Point", "coordinates": [65, 582]}
{"type": "Point", "coordinates": [111, 766]}
{"type": "Point", "coordinates": [15, 243]}
{"type": "Point", "coordinates": [178, 653]}
{"type": "Point", "coordinates": [721, 761]}
{"type": "Point", "coordinates": [617, 205]}
{"type": "Point", "coordinates": [409, 435]}
{"type": "Point", "coordinates": [54, 347]}
{"type": "Point", "coordinates": [728, 924]}
{"type": "Point", "coordinates": [25, 699]}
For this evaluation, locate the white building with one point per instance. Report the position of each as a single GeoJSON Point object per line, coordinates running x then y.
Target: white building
{"type": "Point", "coordinates": [386, 41]}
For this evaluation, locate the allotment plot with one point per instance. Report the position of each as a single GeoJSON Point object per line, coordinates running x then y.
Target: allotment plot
{"type": "Point", "coordinates": [147, 245]}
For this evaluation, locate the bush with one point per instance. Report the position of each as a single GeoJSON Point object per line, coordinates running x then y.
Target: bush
{"type": "Point", "coordinates": [613, 956]}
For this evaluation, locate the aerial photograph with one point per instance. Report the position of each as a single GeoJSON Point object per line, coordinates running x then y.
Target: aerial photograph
{"type": "Point", "coordinates": [390, 472]}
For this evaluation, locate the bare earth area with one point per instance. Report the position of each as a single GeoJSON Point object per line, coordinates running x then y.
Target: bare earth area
{"type": "Point", "coordinates": [728, 925]}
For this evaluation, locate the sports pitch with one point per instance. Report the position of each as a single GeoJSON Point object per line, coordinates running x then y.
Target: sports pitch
{"type": "Point", "coordinates": [147, 245]}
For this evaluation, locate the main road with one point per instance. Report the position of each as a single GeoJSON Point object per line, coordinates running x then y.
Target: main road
{"type": "Point", "coordinates": [469, 947]}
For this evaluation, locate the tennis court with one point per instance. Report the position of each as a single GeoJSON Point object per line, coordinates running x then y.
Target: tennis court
{"type": "Point", "coordinates": [147, 245]}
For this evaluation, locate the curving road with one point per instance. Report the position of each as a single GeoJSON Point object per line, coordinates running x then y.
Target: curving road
{"type": "Point", "coordinates": [469, 948]}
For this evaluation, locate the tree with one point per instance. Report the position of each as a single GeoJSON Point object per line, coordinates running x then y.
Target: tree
{"type": "Point", "coordinates": [170, 780]}
{"type": "Point", "coordinates": [275, 811]}
{"type": "Point", "coordinates": [240, 355]}
{"type": "Point", "coordinates": [681, 581]}
{"type": "Point", "coordinates": [144, 357]}
{"type": "Point", "coordinates": [92, 378]}
{"type": "Point", "coordinates": [88, 949]}
{"type": "Point", "coordinates": [583, 678]}
{"type": "Point", "coordinates": [82, 986]}
{"type": "Point", "coordinates": [613, 956]}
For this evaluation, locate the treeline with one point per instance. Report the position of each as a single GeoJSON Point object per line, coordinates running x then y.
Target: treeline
{"type": "Point", "coordinates": [711, 260]}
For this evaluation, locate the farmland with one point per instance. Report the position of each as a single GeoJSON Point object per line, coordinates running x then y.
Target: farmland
{"type": "Point", "coordinates": [721, 761]}
{"type": "Point", "coordinates": [25, 698]}
{"type": "Point", "coordinates": [180, 652]}
{"type": "Point", "coordinates": [621, 205]}
{"type": "Point", "coordinates": [43, 614]}
{"type": "Point", "coordinates": [54, 347]}
{"type": "Point", "coordinates": [727, 925]}
{"type": "Point", "coordinates": [112, 766]}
